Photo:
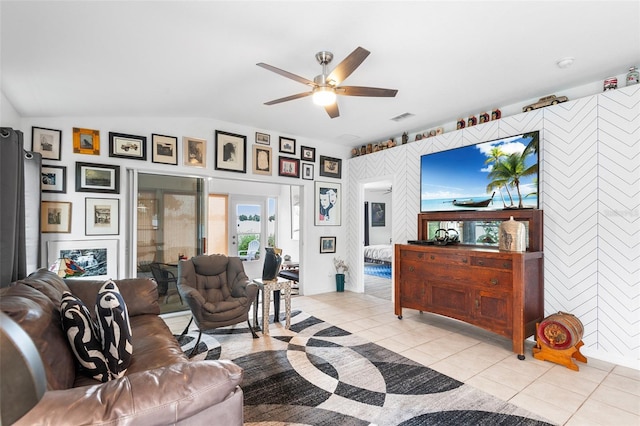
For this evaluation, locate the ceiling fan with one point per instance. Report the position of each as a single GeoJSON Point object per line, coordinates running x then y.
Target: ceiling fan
{"type": "Point", "coordinates": [325, 87]}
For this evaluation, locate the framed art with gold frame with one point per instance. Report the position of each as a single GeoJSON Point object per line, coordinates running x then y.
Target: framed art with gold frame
{"type": "Point", "coordinates": [55, 217]}
{"type": "Point", "coordinates": [262, 160]}
{"type": "Point", "coordinates": [86, 141]}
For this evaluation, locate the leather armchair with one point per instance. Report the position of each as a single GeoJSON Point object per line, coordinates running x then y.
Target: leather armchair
{"type": "Point", "coordinates": [217, 290]}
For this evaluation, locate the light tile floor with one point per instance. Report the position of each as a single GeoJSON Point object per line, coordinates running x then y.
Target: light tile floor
{"type": "Point", "coordinates": [599, 394]}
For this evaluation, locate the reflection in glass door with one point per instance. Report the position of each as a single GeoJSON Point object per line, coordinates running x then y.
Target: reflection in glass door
{"type": "Point", "coordinates": [169, 218]}
{"type": "Point", "coordinates": [169, 227]}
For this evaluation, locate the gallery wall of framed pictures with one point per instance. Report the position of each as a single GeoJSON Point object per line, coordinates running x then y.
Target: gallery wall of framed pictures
{"type": "Point", "coordinates": [93, 205]}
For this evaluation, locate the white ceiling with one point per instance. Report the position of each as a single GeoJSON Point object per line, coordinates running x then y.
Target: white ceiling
{"type": "Point", "coordinates": [448, 59]}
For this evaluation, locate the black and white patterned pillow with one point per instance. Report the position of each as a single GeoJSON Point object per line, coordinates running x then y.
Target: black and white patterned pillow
{"type": "Point", "coordinates": [115, 330]}
{"type": "Point", "coordinates": [82, 333]}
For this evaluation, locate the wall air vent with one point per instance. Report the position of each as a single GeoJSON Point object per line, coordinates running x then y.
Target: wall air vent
{"type": "Point", "coordinates": [402, 116]}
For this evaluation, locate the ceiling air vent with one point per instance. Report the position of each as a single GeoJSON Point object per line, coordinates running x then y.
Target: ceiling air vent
{"type": "Point", "coordinates": [402, 116]}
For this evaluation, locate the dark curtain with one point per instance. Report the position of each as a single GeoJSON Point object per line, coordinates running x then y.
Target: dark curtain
{"type": "Point", "coordinates": [366, 223]}
{"type": "Point", "coordinates": [13, 247]}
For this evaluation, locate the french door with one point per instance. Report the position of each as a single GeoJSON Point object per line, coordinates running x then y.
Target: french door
{"type": "Point", "coordinates": [251, 219]}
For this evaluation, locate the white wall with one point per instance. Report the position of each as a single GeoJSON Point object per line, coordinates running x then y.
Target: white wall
{"type": "Point", "coordinates": [589, 177]}
{"type": "Point", "coordinates": [9, 117]}
{"type": "Point", "coordinates": [313, 265]}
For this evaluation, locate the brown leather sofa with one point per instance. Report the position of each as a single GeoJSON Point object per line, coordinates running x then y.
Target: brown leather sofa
{"type": "Point", "coordinates": [161, 386]}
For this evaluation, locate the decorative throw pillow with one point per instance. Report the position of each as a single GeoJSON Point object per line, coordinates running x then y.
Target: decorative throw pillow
{"type": "Point", "coordinates": [115, 330]}
{"type": "Point", "coordinates": [82, 333]}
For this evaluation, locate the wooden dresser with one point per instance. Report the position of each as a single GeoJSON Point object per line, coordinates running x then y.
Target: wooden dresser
{"type": "Point", "coordinates": [499, 291]}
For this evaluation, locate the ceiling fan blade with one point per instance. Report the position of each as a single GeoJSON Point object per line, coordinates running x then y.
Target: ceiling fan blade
{"type": "Point", "coordinates": [287, 74]}
{"type": "Point", "coordinates": [288, 98]}
{"type": "Point", "coordinates": [366, 91]}
{"type": "Point", "coordinates": [332, 110]}
{"type": "Point", "coordinates": [348, 65]}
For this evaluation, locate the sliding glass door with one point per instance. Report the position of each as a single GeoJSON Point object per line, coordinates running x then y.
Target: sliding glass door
{"type": "Point", "coordinates": [170, 218]}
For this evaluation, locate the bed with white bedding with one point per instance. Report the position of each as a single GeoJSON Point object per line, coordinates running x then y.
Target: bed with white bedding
{"type": "Point", "coordinates": [380, 253]}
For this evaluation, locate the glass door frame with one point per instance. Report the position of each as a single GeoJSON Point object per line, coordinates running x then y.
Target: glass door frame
{"type": "Point", "coordinates": [131, 237]}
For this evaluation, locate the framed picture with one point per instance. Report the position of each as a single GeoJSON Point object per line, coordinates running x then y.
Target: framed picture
{"type": "Point", "coordinates": [164, 149]}
{"type": "Point", "coordinates": [127, 146]}
{"type": "Point", "coordinates": [263, 138]}
{"type": "Point", "coordinates": [195, 152]}
{"type": "Point", "coordinates": [287, 145]}
{"type": "Point", "coordinates": [99, 258]}
{"type": "Point", "coordinates": [330, 167]}
{"type": "Point", "coordinates": [261, 160]}
{"type": "Point", "coordinates": [86, 141]}
{"type": "Point", "coordinates": [97, 178]}
{"type": "Point", "coordinates": [102, 216]}
{"type": "Point", "coordinates": [377, 214]}
{"type": "Point", "coordinates": [327, 244]}
{"type": "Point", "coordinates": [53, 179]}
{"type": "Point", "coordinates": [307, 153]}
{"type": "Point", "coordinates": [289, 167]}
{"type": "Point", "coordinates": [328, 203]}
{"type": "Point", "coordinates": [55, 217]}
{"type": "Point", "coordinates": [307, 171]}
{"type": "Point", "coordinates": [46, 142]}
{"type": "Point", "coordinates": [231, 152]}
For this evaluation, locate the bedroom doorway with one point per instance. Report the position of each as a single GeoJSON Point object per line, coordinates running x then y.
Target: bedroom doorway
{"type": "Point", "coordinates": [378, 241]}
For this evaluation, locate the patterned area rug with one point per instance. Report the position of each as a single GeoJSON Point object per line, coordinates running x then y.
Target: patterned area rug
{"type": "Point", "coordinates": [318, 374]}
{"type": "Point", "coordinates": [383, 271]}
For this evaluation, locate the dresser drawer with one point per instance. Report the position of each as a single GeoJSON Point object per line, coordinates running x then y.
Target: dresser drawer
{"type": "Point", "coordinates": [444, 256]}
{"type": "Point", "coordinates": [491, 279]}
{"type": "Point", "coordinates": [491, 262]}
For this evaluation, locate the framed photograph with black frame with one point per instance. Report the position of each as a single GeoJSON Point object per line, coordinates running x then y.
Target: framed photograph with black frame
{"type": "Point", "coordinates": [330, 167]}
{"type": "Point", "coordinates": [287, 145]}
{"type": "Point", "coordinates": [102, 216]}
{"type": "Point", "coordinates": [55, 217]}
{"type": "Point", "coordinates": [122, 145]}
{"type": "Point", "coordinates": [231, 152]}
{"type": "Point", "coordinates": [328, 204]}
{"type": "Point", "coordinates": [53, 179]}
{"type": "Point", "coordinates": [261, 160]}
{"type": "Point", "coordinates": [46, 142]}
{"type": "Point", "coordinates": [327, 244]}
{"type": "Point", "coordinates": [263, 138]}
{"type": "Point", "coordinates": [86, 141]}
{"type": "Point", "coordinates": [164, 149]}
{"type": "Point", "coordinates": [307, 153]}
{"type": "Point", "coordinates": [289, 167]}
{"type": "Point", "coordinates": [99, 258]}
{"type": "Point", "coordinates": [377, 214]}
{"type": "Point", "coordinates": [307, 171]}
{"type": "Point", "coordinates": [97, 178]}
{"type": "Point", "coordinates": [195, 152]}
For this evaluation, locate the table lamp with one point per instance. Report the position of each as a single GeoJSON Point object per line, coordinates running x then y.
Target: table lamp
{"type": "Point", "coordinates": [65, 267]}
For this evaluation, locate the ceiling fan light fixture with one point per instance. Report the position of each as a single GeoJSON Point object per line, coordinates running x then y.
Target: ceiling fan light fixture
{"type": "Point", "coordinates": [324, 96]}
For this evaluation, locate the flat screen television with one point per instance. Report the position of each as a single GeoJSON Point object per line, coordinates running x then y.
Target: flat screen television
{"type": "Point", "coordinates": [494, 175]}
